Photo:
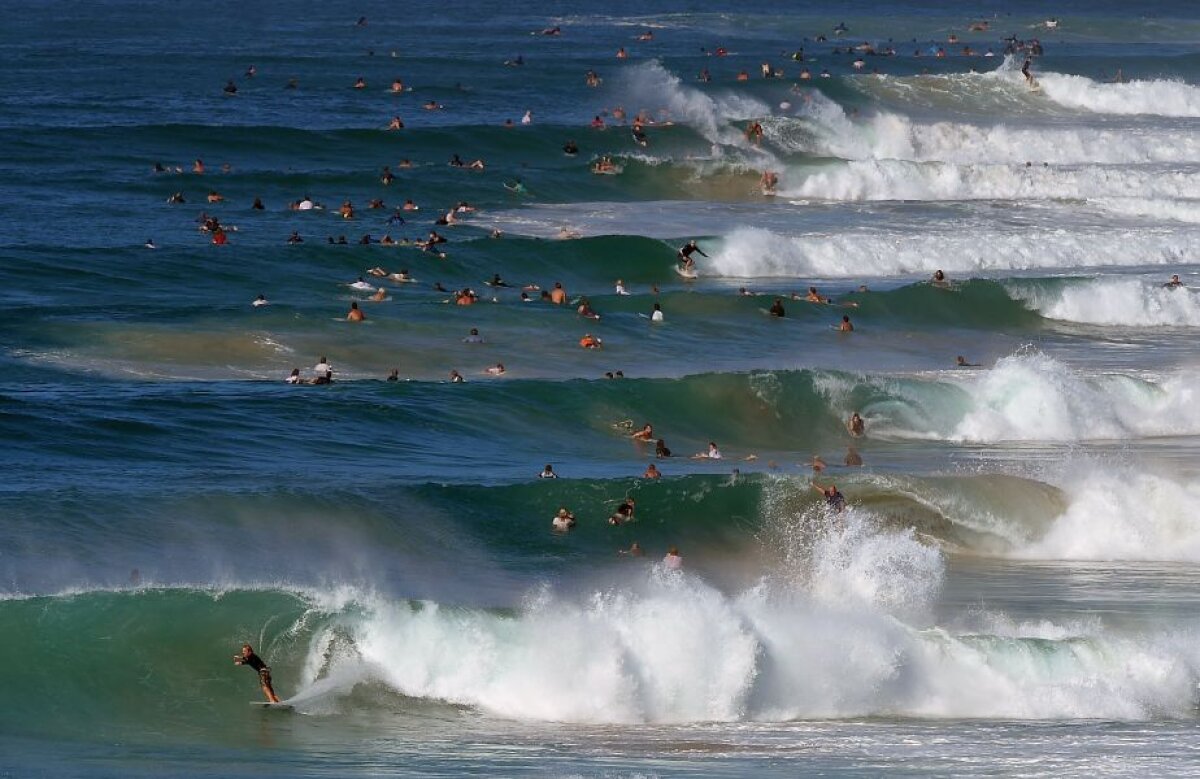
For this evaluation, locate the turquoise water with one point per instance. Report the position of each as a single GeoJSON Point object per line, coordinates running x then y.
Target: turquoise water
{"type": "Point", "coordinates": [1012, 590]}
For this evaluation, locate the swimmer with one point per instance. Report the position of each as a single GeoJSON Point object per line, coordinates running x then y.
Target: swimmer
{"type": "Point", "coordinates": [645, 434]}
{"type": "Point", "coordinates": [149, 244]}
{"type": "Point", "coordinates": [1174, 283]}
{"type": "Point", "coordinates": [623, 514]}
{"type": "Point", "coordinates": [355, 314]}
{"type": "Point", "coordinates": [563, 521]}
{"type": "Point", "coordinates": [570, 149]}
{"type": "Point", "coordinates": [295, 238]}
{"type": "Point", "coordinates": [620, 288]}
{"type": "Point", "coordinates": [261, 300]}
{"type": "Point", "coordinates": [777, 308]}
{"type": "Point", "coordinates": [856, 425]}
{"type": "Point", "coordinates": [294, 377]}
{"type": "Point", "coordinates": [456, 378]}
{"type": "Point", "coordinates": [713, 453]}
{"type": "Point", "coordinates": [322, 367]}
{"type": "Point", "coordinates": [652, 472]}
{"type": "Point", "coordinates": [360, 83]}
{"type": "Point", "coordinates": [939, 279]}
{"type": "Point", "coordinates": [815, 297]}
{"type": "Point", "coordinates": [835, 500]}
{"type": "Point", "coordinates": [853, 458]}
{"type": "Point", "coordinates": [380, 295]}
{"type": "Point", "coordinates": [558, 295]}
{"type": "Point", "coordinates": [589, 341]}
{"type": "Point", "coordinates": [548, 472]}
{"type": "Point", "coordinates": [527, 118]}
{"type": "Point", "coordinates": [495, 370]}
{"type": "Point", "coordinates": [394, 375]}
{"type": "Point", "coordinates": [634, 550]}
{"type": "Point", "coordinates": [657, 314]}
{"type": "Point", "coordinates": [673, 561]}
{"type": "Point", "coordinates": [585, 309]}
{"type": "Point", "coordinates": [660, 449]}
{"type": "Point", "coordinates": [230, 88]}
{"type": "Point", "coordinates": [845, 326]}
{"type": "Point", "coordinates": [396, 123]}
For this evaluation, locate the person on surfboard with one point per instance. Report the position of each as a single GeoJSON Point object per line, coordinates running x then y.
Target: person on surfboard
{"type": "Point", "coordinates": [685, 255]}
{"type": "Point", "coordinates": [247, 657]}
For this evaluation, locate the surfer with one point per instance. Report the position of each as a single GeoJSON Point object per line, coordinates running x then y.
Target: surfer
{"type": "Point", "coordinates": [777, 308]}
{"type": "Point", "coordinates": [620, 288]}
{"type": "Point", "coordinates": [589, 341]}
{"type": "Point", "coordinates": [548, 472]}
{"type": "Point", "coordinates": [261, 300]}
{"type": "Point", "coordinates": [856, 425]}
{"type": "Point", "coordinates": [1026, 73]}
{"type": "Point", "coordinates": [1174, 283]}
{"type": "Point", "coordinates": [961, 362]}
{"type": "Point", "coordinates": [247, 657]}
{"type": "Point", "coordinates": [835, 500]}
{"type": "Point", "coordinates": [684, 255]}
{"type": "Point", "coordinates": [657, 314]}
{"type": "Point", "coordinates": [660, 448]}
{"type": "Point", "coordinates": [673, 561]}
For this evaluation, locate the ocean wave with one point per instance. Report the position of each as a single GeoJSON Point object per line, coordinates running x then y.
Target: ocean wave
{"type": "Point", "coordinates": [1126, 302]}
{"type": "Point", "coordinates": [821, 127]}
{"type": "Point", "coordinates": [750, 252]}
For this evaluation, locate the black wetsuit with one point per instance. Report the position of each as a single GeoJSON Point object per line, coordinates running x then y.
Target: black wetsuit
{"type": "Point", "coordinates": [264, 670]}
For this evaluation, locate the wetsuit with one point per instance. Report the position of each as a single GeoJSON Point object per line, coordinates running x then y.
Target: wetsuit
{"type": "Point", "coordinates": [264, 670]}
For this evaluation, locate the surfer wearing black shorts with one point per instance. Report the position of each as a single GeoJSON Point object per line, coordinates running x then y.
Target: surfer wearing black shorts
{"type": "Point", "coordinates": [247, 657]}
{"type": "Point", "coordinates": [685, 255]}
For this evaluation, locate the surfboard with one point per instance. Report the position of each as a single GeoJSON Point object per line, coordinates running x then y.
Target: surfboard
{"type": "Point", "coordinates": [281, 706]}
{"type": "Point", "coordinates": [687, 274]}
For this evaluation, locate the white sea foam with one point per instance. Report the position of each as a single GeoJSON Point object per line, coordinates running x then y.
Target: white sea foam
{"type": "Point", "coordinates": [888, 179]}
{"type": "Point", "coordinates": [1111, 301]}
{"type": "Point", "coordinates": [670, 648]}
{"type": "Point", "coordinates": [754, 252]}
{"type": "Point", "coordinates": [652, 87]}
{"type": "Point", "coordinates": [1025, 397]}
{"type": "Point", "coordinates": [822, 128]}
{"type": "Point", "coordinates": [1158, 98]}
{"type": "Point", "coordinates": [1119, 514]}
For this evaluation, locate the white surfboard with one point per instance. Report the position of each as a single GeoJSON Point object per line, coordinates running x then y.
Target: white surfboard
{"type": "Point", "coordinates": [687, 274]}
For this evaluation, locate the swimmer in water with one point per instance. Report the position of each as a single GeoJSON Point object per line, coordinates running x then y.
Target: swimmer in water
{"type": "Point", "coordinates": [673, 561]}
{"type": "Point", "coordinates": [660, 448]}
{"type": "Point", "coordinates": [645, 434]}
{"type": "Point", "coordinates": [657, 314]}
{"type": "Point", "coordinates": [1174, 283]}
{"type": "Point", "coordinates": [558, 295]}
{"type": "Point", "coordinates": [355, 314]}
{"type": "Point", "coordinates": [856, 425]}
{"type": "Point", "coordinates": [456, 378]}
{"type": "Point", "coordinates": [589, 341]}
{"type": "Point", "coordinates": [548, 472]}
{"type": "Point", "coordinates": [620, 288]}
{"type": "Point", "coordinates": [563, 521]}
{"type": "Point", "coordinates": [845, 326]}
{"type": "Point", "coordinates": [939, 279]}
{"type": "Point", "coordinates": [652, 472]}
{"type": "Point", "coordinates": [261, 300]}
{"type": "Point", "coordinates": [961, 362]}
{"type": "Point", "coordinates": [495, 370]}
{"type": "Point", "coordinates": [294, 377]}
{"type": "Point", "coordinates": [814, 297]}
{"type": "Point", "coordinates": [834, 499]}
{"type": "Point", "coordinates": [777, 308]}
{"type": "Point", "coordinates": [473, 337]}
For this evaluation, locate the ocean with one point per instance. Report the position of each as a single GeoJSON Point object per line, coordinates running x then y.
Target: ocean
{"type": "Point", "coordinates": [1013, 588]}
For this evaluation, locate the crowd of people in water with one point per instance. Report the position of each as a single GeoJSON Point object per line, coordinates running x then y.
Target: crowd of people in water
{"type": "Point", "coordinates": [377, 283]}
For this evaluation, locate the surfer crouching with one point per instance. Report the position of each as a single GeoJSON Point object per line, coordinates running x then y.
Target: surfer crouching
{"type": "Point", "coordinates": [247, 657]}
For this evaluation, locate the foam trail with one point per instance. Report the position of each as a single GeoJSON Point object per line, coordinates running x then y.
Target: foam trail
{"type": "Point", "coordinates": [1112, 301]}
{"type": "Point", "coordinates": [754, 252]}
